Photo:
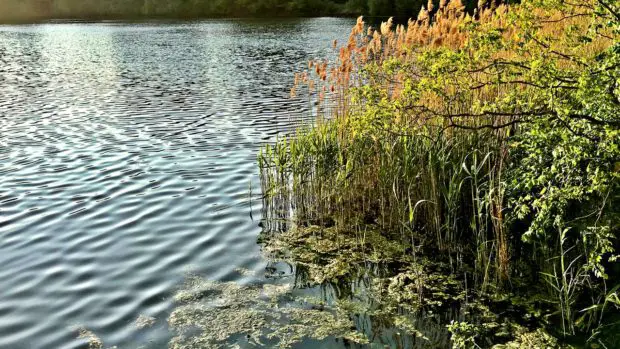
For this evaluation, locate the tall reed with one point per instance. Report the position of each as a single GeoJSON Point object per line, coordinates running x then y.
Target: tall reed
{"type": "Point", "coordinates": [419, 129]}
{"type": "Point", "coordinates": [376, 158]}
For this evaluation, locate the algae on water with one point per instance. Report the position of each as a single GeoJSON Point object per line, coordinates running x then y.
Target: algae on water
{"type": "Point", "coordinates": [219, 314]}
{"type": "Point", "coordinates": [144, 321]}
{"type": "Point", "coordinates": [93, 341]}
{"type": "Point", "coordinates": [356, 292]}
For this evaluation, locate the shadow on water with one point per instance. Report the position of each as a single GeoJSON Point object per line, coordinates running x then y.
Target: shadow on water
{"type": "Point", "coordinates": [287, 306]}
{"type": "Point", "coordinates": [323, 288]}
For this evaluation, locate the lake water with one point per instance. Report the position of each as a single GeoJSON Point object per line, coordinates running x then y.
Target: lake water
{"type": "Point", "coordinates": [127, 158]}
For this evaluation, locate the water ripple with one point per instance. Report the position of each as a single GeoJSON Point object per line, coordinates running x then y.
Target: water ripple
{"type": "Point", "coordinates": [126, 155]}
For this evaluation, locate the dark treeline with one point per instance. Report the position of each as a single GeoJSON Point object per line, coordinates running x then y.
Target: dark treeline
{"type": "Point", "coordinates": [25, 10]}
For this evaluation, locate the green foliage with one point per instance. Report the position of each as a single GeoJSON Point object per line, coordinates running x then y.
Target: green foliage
{"type": "Point", "coordinates": [533, 339]}
{"type": "Point", "coordinates": [463, 335]}
{"type": "Point", "coordinates": [500, 148]}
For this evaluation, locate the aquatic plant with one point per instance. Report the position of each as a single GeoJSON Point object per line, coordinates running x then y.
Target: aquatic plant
{"type": "Point", "coordinates": [93, 341]}
{"type": "Point", "coordinates": [144, 321]}
{"type": "Point", "coordinates": [489, 140]}
{"type": "Point", "coordinates": [218, 314]}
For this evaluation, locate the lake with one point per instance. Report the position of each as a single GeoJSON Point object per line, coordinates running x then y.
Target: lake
{"type": "Point", "coordinates": [128, 159]}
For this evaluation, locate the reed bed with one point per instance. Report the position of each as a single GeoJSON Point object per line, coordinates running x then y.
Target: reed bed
{"type": "Point", "coordinates": [421, 135]}
{"type": "Point", "coordinates": [375, 157]}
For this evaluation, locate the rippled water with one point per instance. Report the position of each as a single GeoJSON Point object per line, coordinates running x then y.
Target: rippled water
{"type": "Point", "coordinates": [127, 155]}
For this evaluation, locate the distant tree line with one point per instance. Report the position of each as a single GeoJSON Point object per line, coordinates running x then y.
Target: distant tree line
{"type": "Point", "coordinates": [16, 10]}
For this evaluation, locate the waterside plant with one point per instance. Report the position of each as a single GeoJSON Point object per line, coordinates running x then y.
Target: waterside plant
{"type": "Point", "coordinates": [485, 142]}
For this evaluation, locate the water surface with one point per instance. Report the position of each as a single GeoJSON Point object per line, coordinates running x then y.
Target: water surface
{"type": "Point", "coordinates": [127, 158]}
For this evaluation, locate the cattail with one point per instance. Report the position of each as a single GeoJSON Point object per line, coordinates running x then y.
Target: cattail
{"type": "Point", "coordinates": [442, 4]}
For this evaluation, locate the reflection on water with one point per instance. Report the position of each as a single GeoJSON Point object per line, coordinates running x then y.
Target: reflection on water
{"type": "Point", "coordinates": [319, 288]}
{"type": "Point", "coordinates": [126, 157]}
{"type": "Point", "coordinates": [345, 276]}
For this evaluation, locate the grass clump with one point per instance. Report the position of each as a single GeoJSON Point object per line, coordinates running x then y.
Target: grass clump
{"type": "Point", "coordinates": [487, 140]}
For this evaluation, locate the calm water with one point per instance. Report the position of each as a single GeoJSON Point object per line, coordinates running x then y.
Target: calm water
{"type": "Point", "coordinates": [127, 153]}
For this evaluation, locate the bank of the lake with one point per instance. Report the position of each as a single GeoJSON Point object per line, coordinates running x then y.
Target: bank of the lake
{"type": "Point", "coordinates": [42, 10]}
{"type": "Point", "coordinates": [465, 170]}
